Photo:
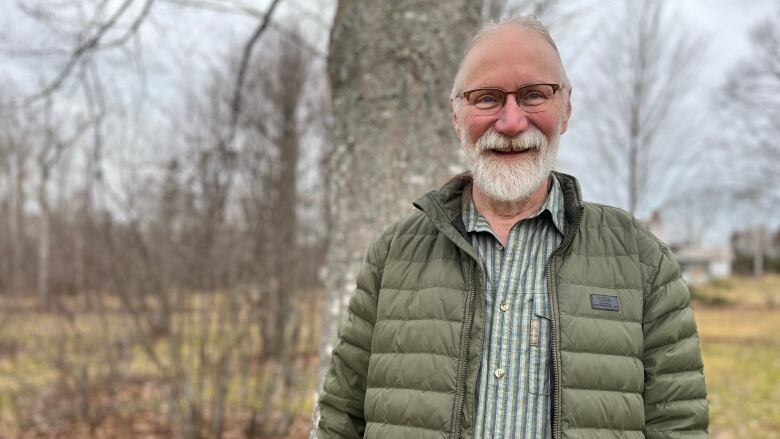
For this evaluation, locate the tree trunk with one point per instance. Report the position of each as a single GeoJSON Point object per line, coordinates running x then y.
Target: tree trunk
{"type": "Point", "coordinates": [391, 66]}
{"type": "Point", "coordinates": [635, 100]}
{"type": "Point", "coordinates": [758, 251]}
{"type": "Point", "coordinates": [17, 223]}
{"type": "Point", "coordinates": [44, 235]}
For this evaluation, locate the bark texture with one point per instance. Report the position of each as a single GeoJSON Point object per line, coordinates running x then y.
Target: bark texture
{"type": "Point", "coordinates": [390, 66]}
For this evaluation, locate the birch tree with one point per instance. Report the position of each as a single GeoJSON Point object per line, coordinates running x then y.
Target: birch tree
{"type": "Point", "coordinates": [643, 75]}
{"type": "Point", "coordinates": [390, 66]}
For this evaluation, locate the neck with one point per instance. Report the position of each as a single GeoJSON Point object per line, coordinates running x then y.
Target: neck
{"type": "Point", "coordinates": [502, 215]}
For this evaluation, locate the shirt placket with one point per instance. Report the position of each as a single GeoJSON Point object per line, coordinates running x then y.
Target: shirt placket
{"type": "Point", "coordinates": [519, 339]}
{"type": "Point", "coordinates": [505, 406]}
{"type": "Point", "coordinates": [504, 314]}
{"type": "Point", "coordinates": [488, 244]}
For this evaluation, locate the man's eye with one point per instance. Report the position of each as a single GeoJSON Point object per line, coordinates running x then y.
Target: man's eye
{"type": "Point", "coordinates": [534, 95]}
{"type": "Point", "coordinates": [486, 98]}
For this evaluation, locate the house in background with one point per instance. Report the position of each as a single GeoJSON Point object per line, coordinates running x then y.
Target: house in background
{"type": "Point", "coordinates": [699, 264]}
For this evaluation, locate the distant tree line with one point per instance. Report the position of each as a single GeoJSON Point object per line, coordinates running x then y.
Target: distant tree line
{"type": "Point", "coordinates": [203, 265]}
{"type": "Point", "coordinates": [756, 251]}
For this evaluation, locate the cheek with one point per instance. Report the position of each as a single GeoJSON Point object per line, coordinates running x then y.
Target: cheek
{"type": "Point", "coordinates": [474, 126]}
{"type": "Point", "coordinates": [548, 123]}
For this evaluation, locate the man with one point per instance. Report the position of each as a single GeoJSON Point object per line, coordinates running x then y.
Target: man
{"type": "Point", "coordinates": [507, 307]}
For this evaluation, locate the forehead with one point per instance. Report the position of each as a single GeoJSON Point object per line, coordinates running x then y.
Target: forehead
{"type": "Point", "coordinates": [511, 56]}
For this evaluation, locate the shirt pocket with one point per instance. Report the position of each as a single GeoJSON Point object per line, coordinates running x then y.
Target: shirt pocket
{"type": "Point", "coordinates": [539, 345]}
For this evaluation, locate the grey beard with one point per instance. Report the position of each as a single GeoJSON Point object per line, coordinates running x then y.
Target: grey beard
{"type": "Point", "coordinates": [515, 180]}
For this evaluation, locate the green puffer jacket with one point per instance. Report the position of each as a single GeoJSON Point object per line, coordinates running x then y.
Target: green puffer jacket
{"type": "Point", "coordinates": [406, 363]}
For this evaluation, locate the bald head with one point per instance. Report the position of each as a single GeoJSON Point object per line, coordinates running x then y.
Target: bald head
{"type": "Point", "coordinates": [510, 35]}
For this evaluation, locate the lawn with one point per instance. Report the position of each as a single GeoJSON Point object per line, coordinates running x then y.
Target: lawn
{"type": "Point", "coordinates": [738, 329]}
{"type": "Point", "coordinates": [741, 350]}
{"type": "Point", "coordinates": [90, 373]}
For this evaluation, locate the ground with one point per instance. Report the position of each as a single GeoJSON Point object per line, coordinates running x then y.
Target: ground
{"type": "Point", "coordinates": [739, 326]}
{"type": "Point", "coordinates": [738, 321]}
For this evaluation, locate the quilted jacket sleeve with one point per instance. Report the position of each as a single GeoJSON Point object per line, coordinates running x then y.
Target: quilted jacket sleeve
{"type": "Point", "coordinates": [674, 393]}
{"type": "Point", "coordinates": [341, 404]}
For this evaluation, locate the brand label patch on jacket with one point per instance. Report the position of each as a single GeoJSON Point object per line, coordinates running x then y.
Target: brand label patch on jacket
{"type": "Point", "coordinates": [604, 302]}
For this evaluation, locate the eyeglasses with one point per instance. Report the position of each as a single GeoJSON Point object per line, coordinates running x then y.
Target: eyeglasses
{"type": "Point", "coordinates": [531, 97]}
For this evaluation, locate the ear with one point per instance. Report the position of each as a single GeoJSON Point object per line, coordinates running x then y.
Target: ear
{"type": "Point", "coordinates": [567, 113]}
{"type": "Point", "coordinates": [454, 117]}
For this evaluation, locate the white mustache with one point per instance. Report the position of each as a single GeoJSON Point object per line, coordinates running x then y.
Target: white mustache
{"type": "Point", "coordinates": [510, 180]}
{"type": "Point", "coordinates": [491, 140]}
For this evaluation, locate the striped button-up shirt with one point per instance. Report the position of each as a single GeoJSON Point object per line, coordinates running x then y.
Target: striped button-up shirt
{"type": "Point", "coordinates": [513, 392]}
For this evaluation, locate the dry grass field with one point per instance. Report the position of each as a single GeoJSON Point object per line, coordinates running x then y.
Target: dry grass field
{"type": "Point", "coordinates": [87, 374]}
{"type": "Point", "coordinates": [740, 335]}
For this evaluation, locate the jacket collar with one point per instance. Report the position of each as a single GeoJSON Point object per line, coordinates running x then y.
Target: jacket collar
{"type": "Point", "coordinates": [553, 205]}
{"type": "Point", "coordinates": [443, 206]}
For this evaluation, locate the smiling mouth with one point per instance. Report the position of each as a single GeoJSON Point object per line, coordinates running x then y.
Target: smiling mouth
{"type": "Point", "coordinates": [509, 153]}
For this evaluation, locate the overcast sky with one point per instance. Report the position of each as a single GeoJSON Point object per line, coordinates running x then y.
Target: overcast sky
{"type": "Point", "coordinates": [187, 44]}
{"type": "Point", "coordinates": [724, 26]}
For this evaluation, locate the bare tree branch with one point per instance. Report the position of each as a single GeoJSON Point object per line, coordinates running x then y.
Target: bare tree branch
{"type": "Point", "coordinates": [640, 84]}
{"type": "Point", "coordinates": [219, 6]}
{"type": "Point", "coordinates": [749, 100]}
{"type": "Point", "coordinates": [93, 44]}
{"type": "Point", "coordinates": [245, 60]}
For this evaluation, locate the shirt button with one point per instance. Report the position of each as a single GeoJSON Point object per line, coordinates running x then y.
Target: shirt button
{"type": "Point", "coordinates": [499, 373]}
{"type": "Point", "coordinates": [504, 306]}
{"type": "Point", "coordinates": [499, 247]}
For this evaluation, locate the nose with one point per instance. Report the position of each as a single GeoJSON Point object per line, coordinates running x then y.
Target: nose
{"type": "Point", "coordinates": [512, 119]}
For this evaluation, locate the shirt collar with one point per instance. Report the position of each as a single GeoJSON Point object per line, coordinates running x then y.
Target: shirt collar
{"type": "Point", "coordinates": [475, 222]}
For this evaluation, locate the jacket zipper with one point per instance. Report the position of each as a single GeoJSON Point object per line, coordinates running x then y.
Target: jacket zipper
{"type": "Point", "coordinates": [461, 395]}
{"type": "Point", "coordinates": [553, 298]}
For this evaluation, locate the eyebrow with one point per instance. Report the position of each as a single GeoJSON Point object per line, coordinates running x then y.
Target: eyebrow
{"type": "Point", "coordinates": [525, 84]}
